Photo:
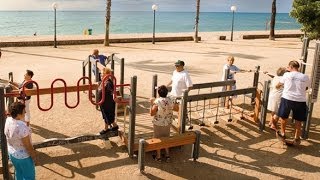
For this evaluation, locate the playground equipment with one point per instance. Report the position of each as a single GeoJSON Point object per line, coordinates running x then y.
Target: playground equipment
{"type": "Point", "coordinates": [88, 64]}
{"type": "Point", "coordinates": [54, 90]}
{"type": "Point", "coordinates": [190, 101]}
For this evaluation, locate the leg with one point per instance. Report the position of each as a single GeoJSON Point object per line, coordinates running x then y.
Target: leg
{"type": "Point", "coordinates": [297, 129]}
{"type": "Point", "coordinates": [283, 125]}
{"type": "Point", "coordinates": [158, 154]}
{"type": "Point", "coordinates": [167, 152]}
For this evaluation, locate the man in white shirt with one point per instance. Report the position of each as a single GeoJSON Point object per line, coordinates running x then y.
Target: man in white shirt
{"type": "Point", "coordinates": [180, 80]}
{"type": "Point", "coordinates": [293, 99]}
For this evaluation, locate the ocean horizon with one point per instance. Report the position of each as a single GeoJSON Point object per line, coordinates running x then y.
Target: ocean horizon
{"type": "Point", "coordinates": [26, 23]}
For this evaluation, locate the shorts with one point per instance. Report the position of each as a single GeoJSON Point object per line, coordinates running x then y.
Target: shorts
{"type": "Point", "coordinates": [299, 109]}
{"type": "Point", "coordinates": [161, 131]}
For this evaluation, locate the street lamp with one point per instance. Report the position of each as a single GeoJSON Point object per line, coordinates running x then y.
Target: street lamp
{"type": "Point", "coordinates": [54, 7]}
{"type": "Point", "coordinates": [233, 9]}
{"type": "Point", "coordinates": [154, 8]}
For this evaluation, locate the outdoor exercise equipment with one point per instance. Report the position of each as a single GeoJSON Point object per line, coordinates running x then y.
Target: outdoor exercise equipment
{"type": "Point", "coordinates": [54, 90]}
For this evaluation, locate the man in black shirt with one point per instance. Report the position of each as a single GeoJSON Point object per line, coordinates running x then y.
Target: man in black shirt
{"type": "Point", "coordinates": [28, 85]}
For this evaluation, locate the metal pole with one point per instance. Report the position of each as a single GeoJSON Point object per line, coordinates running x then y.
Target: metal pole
{"type": "Point", "coordinates": [4, 148]}
{"type": "Point", "coordinates": [112, 63]}
{"type": "Point", "coordinates": [141, 154]}
{"type": "Point", "coordinates": [154, 85]}
{"type": "Point", "coordinates": [121, 75]}
{"type": "Point", "coordinates": [232, 26]}
{"type": "Point", "coordinates": [89, 69]}
{"type": "Point", "coordinates": [263, 114]}
{"type": "Point", "coordinates": [83, 72]}
{"type": "Point", "coordinates": [304, 54]}
{"type": "Point", "coordinates": [183, 112]}
{"type": "Point", "coordinates": [55, 28]}
{"type": "Point", "coordinates": [306, 124]}
{"type": "Point", "coordinates": [154, 26]}
{"type": "Point", "coordinates": [132, 118]}
{"type": "Point", "coordinates": [255, 83]}
{"type": "Point", "coordinates": [196, 146]}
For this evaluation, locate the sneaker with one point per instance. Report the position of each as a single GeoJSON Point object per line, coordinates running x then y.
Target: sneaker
{"type": "Point", "coordinates": [154, 157]}
{"type": "Point", "coordinates": [115, 128]}
{"type": "Point", "coordinates": [104, 131]}
{"type": "Point", "coordinates": [280, 136]}
{"type": "Point", "coordinates": [167, 159]}
{"type": "Point", "coordinates": [296, 142]}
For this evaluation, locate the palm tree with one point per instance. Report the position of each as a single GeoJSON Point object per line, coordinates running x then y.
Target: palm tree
{"type": "Point", "coordinates": [108, 17]}
{"type": "Point", "coordinates": [197, 22]}
{"type": "Point", "coordinates": [273, 19]}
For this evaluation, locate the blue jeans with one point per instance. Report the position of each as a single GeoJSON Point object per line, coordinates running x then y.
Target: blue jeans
{"type": "Point", "coordinates": [24, 168]}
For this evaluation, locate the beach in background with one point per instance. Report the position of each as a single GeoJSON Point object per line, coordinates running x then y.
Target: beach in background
{"type": "Point", "coordinates": [26, 23]}
{"type": "Point", "coordinates": [236, 150]}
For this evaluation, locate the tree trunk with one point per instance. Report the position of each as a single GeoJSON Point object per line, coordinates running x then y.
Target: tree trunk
{"type": "Point", "coordinates": [108, 17]}
{"type": "Point", "coordinates": [197, 22]}
{"type": "Point", "coordinates": [273, 19]}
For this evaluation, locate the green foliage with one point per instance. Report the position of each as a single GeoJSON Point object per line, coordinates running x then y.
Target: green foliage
{"type": "Point", "coordinates": [307, 13]}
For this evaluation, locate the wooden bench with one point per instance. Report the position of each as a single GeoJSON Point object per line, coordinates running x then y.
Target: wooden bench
{"type": "Point", "coordinates": [191, 137]}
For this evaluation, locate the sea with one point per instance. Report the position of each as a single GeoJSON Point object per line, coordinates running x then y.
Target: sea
{"type": "Point", "coordinates": [25, 23]}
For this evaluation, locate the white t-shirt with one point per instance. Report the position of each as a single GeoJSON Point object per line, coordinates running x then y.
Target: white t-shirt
{"type": "Point", "coordinates": [180, 82]}
{"type": "Point", "coordinates": [232, 69]}
{"type": "Point", "coordinates": [164, 115]}
{"type": "Point", "coordinates": [15, 130]}
{"type": "Point", "coordinates": [295, 84]}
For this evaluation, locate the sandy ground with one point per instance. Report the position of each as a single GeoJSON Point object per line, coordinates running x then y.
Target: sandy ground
{"type": "Point", "coordinates": [236, 150]}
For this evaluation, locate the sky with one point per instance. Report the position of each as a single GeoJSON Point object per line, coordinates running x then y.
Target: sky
{"type": "Point", "coordinates": [283, 6]}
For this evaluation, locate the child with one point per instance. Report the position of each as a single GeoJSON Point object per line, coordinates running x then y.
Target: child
{"type": "Point", "coordinates": [274, 97]}
{"type": "Point", "coordinates": [232, 71]}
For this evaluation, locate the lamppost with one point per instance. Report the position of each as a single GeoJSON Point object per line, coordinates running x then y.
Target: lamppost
{"type": "Point", "coordinates": [154, 8]}
{"type": "Point", "coordinates": [55, 6]}
{"type": "Point", "coordinates": [233, 9]}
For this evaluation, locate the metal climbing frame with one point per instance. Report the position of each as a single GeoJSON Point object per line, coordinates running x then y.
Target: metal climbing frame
{"type": "Point", "coordinates": [53, 90]}
{"type": "Point", "coordinates": [112, 58]}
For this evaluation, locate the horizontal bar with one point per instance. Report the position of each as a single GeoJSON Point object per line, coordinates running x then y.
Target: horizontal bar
{"type": "Point", "coordinates": [214, 84]}
{"type": "Point", "coordinates": [220, 94]}
{"type": "Point", "coordinates": [54, 90]}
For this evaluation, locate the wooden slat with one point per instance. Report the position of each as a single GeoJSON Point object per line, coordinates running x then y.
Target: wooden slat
{"type": "Point", "coordinates": [55, 90]}
{"type": "Point", "coordinates": [167, 142]}
{"type": "Point", "coordinates": [257, 106]}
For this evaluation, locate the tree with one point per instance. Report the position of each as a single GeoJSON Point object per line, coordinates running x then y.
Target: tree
{"type": "Point", "coordinates": [273, 19]}
{"type": "Point", "coordinates": [307, 13]}
{"type": "Point", "coordinates": [197, 22]}
{"type": "Point", "coordinates": [108, 17]}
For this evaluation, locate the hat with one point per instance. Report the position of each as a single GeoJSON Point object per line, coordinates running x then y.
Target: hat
{"type": "Point", "coordinates": [179, 63]}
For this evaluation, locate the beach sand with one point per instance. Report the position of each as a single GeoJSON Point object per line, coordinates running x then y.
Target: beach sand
{"type": "Point", "coordinates": [236, 150]}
